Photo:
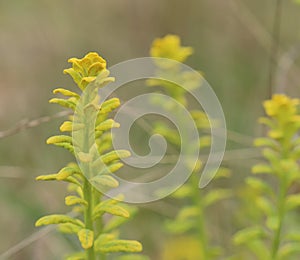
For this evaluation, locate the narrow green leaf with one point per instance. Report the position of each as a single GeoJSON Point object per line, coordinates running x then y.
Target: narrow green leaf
{"type": "Point", "coordinates": [69, 228]}
{"type": "Point", "coordinates": [289, 249]}
{"type": "Point", "coordinates": [293, 201]}
{"type": "Point", "coordinates": [58, 219]}
{"type": "Point", "coordinates": [248, 234]}
{"type": "Point", "coordinates": [103, 238]}
{"type": "Point", "coordinates": [73, 180]}
{"type": "Point", "coordinates": [223, 173]}
{"type": "Point", "coordinates": [68, 126]}
{"type": "Point", "coordinates": [170, 134]}
{"type": "Point", "coordinates": [180, 227]}
{"type": "Point", "coordinates": [265, 205]}
{"type": "Point", "coordinates": [276, 134]}
{"type": "Point", "coordinates": [95, 68]}
{"type": "Point", "coordinates": [263, 141]}
{"type": "Point", "coordinates": [293, 236]}
{"type": "Point", "coordinates": [130, 246]}
{"type": "Point", "coordinates": [74, 74]}
{"type": "Point", "coordinates": [183, 192]}
{"type": "Point", "coordinates": [111, 209]}
{"type": "Point", "coordinates": [259, 248]}
{"type": "Point", "coordinates": [114, 155]}
{"type": "Point", "coordinates": [51, 177]}
{"type": "Point", "coordinates": [59, 139]}
{"type": "Point", "coordinates": [101, 82]}
{"type": "Point", "coordinates": [68, 103]}
{"type": "Point", "coordinates": [66, 92]}
{"type": "Point", "coordinates": [266, 121]}
{"type": "Point", "coordinates": [188, 212]}
{"type": "Point", "coordinates": [48, 177]}
{"type": "Point", "coordinates": [104, 181]}
{"type": "Point", "coordinates": [109, 105]}
{"type": "Point", "coordinates": [66, 172]}
{"type": "Point", "coordinates": [73, 200]}
{"type": "Point", "coordinates": [67, 146]}
{"type": "Point", "coordinates": [86, 238]}
{"type": "Point", "coordinates": [259, 185]}
{"type": "Point", "coordinates": [106, 169]}
{"type": "Point", "coordinates": [271, 155]}
{"type": "Point", "coordinates": [216, 195]}
{"type": "Point", "coordinates": [107, 125]}
{"type": "Point", "coordinates": [272, 222]}
{"type": "Point", "coordinates": [261, 168]}
{"type": "Point", "coordinates": [112, 168]}
{"type": "Point", "coordinates": [104, 146]}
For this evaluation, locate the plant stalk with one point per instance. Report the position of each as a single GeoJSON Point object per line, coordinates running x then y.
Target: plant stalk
{"type": "Point", "coordinates": [197, 199]}
{"type": "Point", "coordinates": [281, 214]}
{"type": "Point", "coordinates": [88, 195]}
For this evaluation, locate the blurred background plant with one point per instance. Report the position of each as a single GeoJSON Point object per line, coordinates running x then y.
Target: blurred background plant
{"type": "Point", "coordinates": [190, 225]}
{"type": "Point", "coordinates": [232, 45]}
{"type": "Point", "coordinates": [272, 233]}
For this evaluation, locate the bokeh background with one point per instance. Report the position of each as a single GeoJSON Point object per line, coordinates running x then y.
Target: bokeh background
{"type": "Point", "coordinates": [232, 43]}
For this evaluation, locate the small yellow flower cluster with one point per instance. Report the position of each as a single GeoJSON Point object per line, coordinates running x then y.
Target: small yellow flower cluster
{"type": "Point", "coordinates": [168, 54]}
{"type": "Point", "coordinates": [284, 118]}
{"type": "Point", "coordinates": [281, 104]}
{"type": "Point", "coordinates": [273, 201]}
{"type": "Point", "coordinates": [86, 70]}
{"type": "Point", "coordinates": [169, 47]}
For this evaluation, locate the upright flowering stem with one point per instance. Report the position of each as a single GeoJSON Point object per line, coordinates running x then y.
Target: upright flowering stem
{"type": "Point", "coordinates": [91, 144]}
{"type": "Point", "coordinates": [282, 155]}
{"type": "Point", "coordinates": [190, 220]}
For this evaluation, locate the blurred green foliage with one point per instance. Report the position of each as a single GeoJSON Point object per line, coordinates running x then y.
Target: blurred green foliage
{"type": "Point", "coordinates": [231, 47]}
{"type": "Point", "coordinates": [269, 236]}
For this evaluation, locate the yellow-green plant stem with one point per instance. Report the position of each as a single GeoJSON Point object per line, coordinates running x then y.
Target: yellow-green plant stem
{"type": "Point", "coordinates": [197, 200]}
{"type": "Point", "coordinates": [286, 145]}
{"type": "Point", "coordinates": [281, 213]}
{"type": "Point", "coordinates": [88, 196]}
{"type": "Point", "coordinates": [88, 190]}
{"type": "Point", "coordinates": [98, 224]}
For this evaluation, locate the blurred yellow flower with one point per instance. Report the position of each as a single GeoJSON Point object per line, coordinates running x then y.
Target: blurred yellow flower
{"type": "Point", "coordinates": [170, 47]}
{"type": "Point", "coordinates": [283, 116]}
{"type": "Point", "coordinates": [281, 105]}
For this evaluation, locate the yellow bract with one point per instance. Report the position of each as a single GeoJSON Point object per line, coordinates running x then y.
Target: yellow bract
{"type": "Point", "coordinates": [170, 47]}
{"type": "Point", "coordinates": [86, 70]}
{"type": "Point", "coordinates": [281, 104]}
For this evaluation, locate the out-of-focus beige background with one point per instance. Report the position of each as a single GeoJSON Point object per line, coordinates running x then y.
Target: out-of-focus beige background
{"type": "Point", "coordinates": [232, 43]}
